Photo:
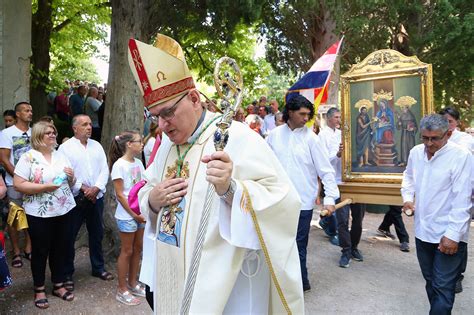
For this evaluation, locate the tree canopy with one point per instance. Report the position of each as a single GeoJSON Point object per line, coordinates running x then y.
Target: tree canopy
{"type": "Point", "coordinates": [296, 33]}
{"type": "Point", "coordinates": [63, 37]}
{"type": "Point", "coordinates": [74, 39]}
{"type": "Point", "coordinates": [438, 32]}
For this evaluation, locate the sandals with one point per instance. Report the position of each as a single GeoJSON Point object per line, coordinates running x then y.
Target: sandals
{"type": "Point", "coordinates": [137, 290]}
{"type": "Point", "coordinates": [41, 303]}
{"type": "Point", "coordinates": [67, 296]}
{"type": "Point", "coordinates": [105, 275]}
{"type": "Point", "coordinates": [69, 285]}
{"type": "Point", "coordinates": [127, 298]}
{"type": "Point", "coordinates": [27, 255]}
{"type": "Point", "coordinates": [17, 262]}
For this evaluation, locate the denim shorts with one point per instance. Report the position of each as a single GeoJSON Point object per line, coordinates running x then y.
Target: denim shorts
{"type": "Point", "coordinates": [129, 226]}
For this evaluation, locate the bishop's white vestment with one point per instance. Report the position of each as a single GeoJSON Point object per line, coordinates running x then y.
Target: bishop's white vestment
{"type": "Point", "coordinates": [233, 275]}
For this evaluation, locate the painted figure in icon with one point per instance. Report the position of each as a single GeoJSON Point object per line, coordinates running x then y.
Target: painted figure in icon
{"type": "Point", "coordinates": [363, 136]}
{"type": "Point", "coordinates": [406, 123]}
{"type": "Point", "coordinates": [386, 123]}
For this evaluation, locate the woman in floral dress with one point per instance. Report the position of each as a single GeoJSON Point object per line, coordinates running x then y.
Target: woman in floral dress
{"type": "Point", "coordinates": [45, 178]}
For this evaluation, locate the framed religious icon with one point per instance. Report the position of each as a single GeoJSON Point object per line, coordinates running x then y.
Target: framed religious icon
{"type": "Point", "coordinates": [383, 100]}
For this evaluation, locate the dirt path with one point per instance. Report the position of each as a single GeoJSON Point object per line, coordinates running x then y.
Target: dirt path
{"type": "Point", "coordinates": [387, 282]}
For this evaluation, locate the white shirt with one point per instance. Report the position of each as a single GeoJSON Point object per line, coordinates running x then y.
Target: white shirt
{"type": "Point", "coordinates": [463, 139]}
{"type": "Point", "coordinates": [269, 122]}
{"type": "Point", "coordinates": [254, 117]}
{"type": "Point", "coordinates": [304, 158]}
{"type": "Point", "coordinates": [442, 188]}
{"type": "Point", "coordinates": [148, 148]}
{"type": "Point", "coordinates": [331, 139]}
{"type": "Point", "coordinates": [130, 173]}
{"type": "Point", "coordinates": [34, 168]}
{"type": "Point", "coordinates": [18, 142]}
{"type": "Point", "coordinates": [89, 163]}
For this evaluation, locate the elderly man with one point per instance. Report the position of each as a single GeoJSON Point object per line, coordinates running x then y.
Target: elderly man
{"type": "Point", "coordinates": [90, 167]}
{"type": "Point", "coordinates": [253, 120]}
{"type": "Point", "coordinates": [304, 158]}
{"type": "Point", "coordinates": [231, 275]}
{"type": "Point", "coordinates": [438, 178]}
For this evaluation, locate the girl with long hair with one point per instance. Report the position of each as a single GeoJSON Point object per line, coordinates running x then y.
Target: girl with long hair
{"type": "Point", "coordinates": [126, 171]}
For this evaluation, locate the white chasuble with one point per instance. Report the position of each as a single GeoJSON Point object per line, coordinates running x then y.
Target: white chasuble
{"type": "Point", "coordinates": [233, 276]}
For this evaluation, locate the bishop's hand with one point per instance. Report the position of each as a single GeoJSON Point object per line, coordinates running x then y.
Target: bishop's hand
{"type": "Point", "coordinates": [168, 192]}
{"type": "Point", "coordinates": [219, 170]}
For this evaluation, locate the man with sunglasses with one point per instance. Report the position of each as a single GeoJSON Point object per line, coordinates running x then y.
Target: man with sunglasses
{"type": "Point", "coordinates": [437, 188]}
{"type": "Point", "coordinates": [232, 275]}
{"type": "Point", "coordinates": [15, 141]}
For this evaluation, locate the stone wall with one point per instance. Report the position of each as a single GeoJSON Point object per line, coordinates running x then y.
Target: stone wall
{"type": "Point", "coordinates": [15, 51]}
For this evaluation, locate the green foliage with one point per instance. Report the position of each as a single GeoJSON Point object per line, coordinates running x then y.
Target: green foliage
{"type": "Point", "coordinates": [72, 69]}
{"type": "Point", "coordinates": [440, 32]}
{"type": "Point", "coordinates": [212, 29]}
{"type": "Point", "coordinates": [78, 26]}
{"type": "Point", "coordinates": [259, 77]}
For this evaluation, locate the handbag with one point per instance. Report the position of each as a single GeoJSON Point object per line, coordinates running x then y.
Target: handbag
{"type": "Point", "coordinates": [17, 217]}
{"type": "Point", "coordinates": [133, 202]}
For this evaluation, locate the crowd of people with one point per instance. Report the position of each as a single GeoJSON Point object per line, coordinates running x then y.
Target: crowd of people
{"type": "Point", "coordinates": [58, 189]}
{"type": "Point", "coordinates": [240, 216]}
{"type": "Point", "coordinates": [79, 97]}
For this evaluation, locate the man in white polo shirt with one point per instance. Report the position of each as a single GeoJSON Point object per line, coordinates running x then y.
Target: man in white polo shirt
{"type": "Point", "coordinates": [437, 187]}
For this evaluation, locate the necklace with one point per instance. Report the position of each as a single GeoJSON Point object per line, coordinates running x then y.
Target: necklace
{"type": "Point", "coordinates": [171, 220]}
{"type": "Point", "coordinates": [181, 169]}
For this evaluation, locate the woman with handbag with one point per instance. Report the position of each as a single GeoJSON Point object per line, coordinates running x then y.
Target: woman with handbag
{"type": "Point", "coordinates": [126, 171]}
{"type": "Point", "coordinates": [44, 176]}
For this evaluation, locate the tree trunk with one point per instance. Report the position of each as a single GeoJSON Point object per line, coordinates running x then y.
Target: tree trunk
{"type": "Point", "coordinates": [124, 104]}
{"type": "Point", "coordinates": [41, 28]}
{"type": "Point", "coordinates": [321, 33]}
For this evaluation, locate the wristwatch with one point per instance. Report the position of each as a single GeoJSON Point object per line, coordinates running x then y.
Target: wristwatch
{"type": "Point", "coordinates": [231, 190]}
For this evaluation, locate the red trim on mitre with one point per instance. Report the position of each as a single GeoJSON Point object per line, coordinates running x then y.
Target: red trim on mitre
{"type": "Point", "coordinates": [168, 91]}
{"type": "Point", "coordinates": [139, 66]}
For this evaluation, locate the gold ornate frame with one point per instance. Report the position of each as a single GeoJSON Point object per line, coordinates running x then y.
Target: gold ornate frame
{"type": "Point", "coordinates": [383, 64]}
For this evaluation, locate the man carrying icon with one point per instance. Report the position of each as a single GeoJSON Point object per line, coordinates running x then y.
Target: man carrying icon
{"type": "Point", "coordinates": [437, 188]}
